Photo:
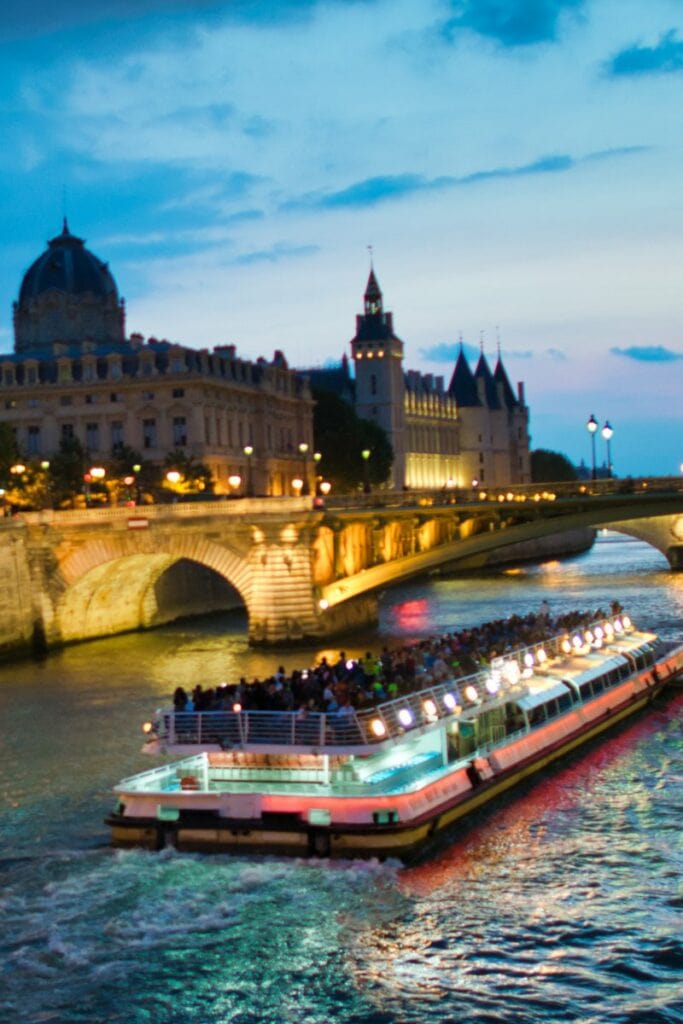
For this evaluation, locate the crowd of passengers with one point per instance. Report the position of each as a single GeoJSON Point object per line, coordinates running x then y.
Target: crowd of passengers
{"type": "Point", "coordinates": [348, 685]}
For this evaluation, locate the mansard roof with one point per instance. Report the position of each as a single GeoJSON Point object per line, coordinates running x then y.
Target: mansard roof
{"type": "Point", "coordinates": [501, 377]}
{"type": "Point", "coordinates": [463, 386]}
{"type": "Point", "coordinates": [483, 371]}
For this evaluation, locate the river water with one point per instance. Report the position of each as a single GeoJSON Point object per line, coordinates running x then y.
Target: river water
{"type": "Point", "coordinates": [563, 904]}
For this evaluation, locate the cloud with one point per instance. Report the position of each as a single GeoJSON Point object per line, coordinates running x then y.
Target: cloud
{"type": "Point", "coordinates": [556, 354]}
{"type": "Point", "coordinates": [275, 254]}
{"type": "Point", "coordinates": [448, 351]}
{"type": "Point", "coordinates": [43, 17]}
{"type": "Point", "coordinates": [648, 353]}
{"type": "Point", "coordinates": [372, 191]}
{"type": "Point", "coordinates": [664, 58]}
{"type": "Point", "coordinates": [510, 22]}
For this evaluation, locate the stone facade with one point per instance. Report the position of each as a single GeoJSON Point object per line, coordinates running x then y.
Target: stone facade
{"type": "Point", "coordinates": [74, 373]}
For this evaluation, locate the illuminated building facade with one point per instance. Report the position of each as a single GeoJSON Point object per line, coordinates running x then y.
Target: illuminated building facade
{"type": "Point", "coordinates": [74, 373]}
{"type": "Point", "coordinates": [476, 429]}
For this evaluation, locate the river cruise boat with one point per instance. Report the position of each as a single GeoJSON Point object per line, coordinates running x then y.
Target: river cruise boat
{"type": "Point", "coordinates": [382, 781]}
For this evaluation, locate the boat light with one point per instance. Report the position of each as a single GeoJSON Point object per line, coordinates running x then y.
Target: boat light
{"type": "Point", "coordinates": [618, 626]}
{"type": "Point", "coordinates": [429, 708]}
{"type": "Point", "coordinates": [609, 630]}
{"type": "Point", "coordinates": [588, 636]}
{"type": "Point", "coordinates": [529, 660]}
{"type": "Point", "coordinates": [471, 693]}
{"type": "Point", "coordinates": [566, 646]}
{"type": "Point", "coordinates": [449, 701]}
{"type": "Point", "coordinates": [578, 642]}
{"type": "Point", "coordinates": [378, 728]}
{"type": "Point", "coordinates": [237, 708]}
{"type": "Point", "coordinates": [599, 632]}
{"type": "Point", "coordinates": [627, 622]}
{"type": "Point", "coordinates": [147, 727]}
{"type": "Point", "coordinates": [405, 717]}
{"type": "Point", "coordinates": [541, 656]}
{"type": "Point", "coordinates": [511, 672]}
{"type": "Point", "coordinates": [492, 685]}
{"type": "Point", "coordinates": [527, 673]}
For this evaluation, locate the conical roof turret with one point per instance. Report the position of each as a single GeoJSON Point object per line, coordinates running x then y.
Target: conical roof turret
{"type": "Point", "coordinates": [463, 386]}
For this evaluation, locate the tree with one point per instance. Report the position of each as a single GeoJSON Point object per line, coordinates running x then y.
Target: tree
{"type": "Point", "coordinates": [195, 477]}
{"type": "Point", "coordinates": [551, 467]}
{"type": "Point", "coordinates": [66, 471]}
{"type": "Point", "coordinates": [9, 452]}
{"type": "Point", "coordinates": [340, 436]}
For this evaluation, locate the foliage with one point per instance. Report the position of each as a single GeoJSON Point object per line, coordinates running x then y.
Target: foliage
{"type": "Point", "coordinates": [66, 471]}
{"type": "Point", "coordinates": [194, 476]}
{"type": "Point", "coordinates": [340, 436]}
{"type": "Point", "coordinates": [9, 452]}
{"type": "Point", "coordinates": [551, 467]}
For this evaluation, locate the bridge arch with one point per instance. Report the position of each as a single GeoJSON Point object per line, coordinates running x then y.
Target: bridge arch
{"type": "Point", "coordinates": [117, 584]}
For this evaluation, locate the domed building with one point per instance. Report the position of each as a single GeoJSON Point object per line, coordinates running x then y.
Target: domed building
{"type": "Point", "coordinates": [75, 375]}
{"type": "Point", "coordinates": [67, 295]}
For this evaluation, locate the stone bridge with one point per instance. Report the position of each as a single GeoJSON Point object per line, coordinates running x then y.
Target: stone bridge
{"type": "Point", "coordinates": [300, 571]}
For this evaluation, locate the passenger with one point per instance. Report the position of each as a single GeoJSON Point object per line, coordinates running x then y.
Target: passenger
{"type": "Point", "coordinates": [180, 699]}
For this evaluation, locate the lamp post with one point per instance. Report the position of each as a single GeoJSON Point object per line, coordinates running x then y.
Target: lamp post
{"type": "Point", "coordinates": [365, 455]}
{"type": "Point", "coordinates": [137, 468]}
{"type": "Point", "coordinates": [97, 475]}
{"type": "Point", "coordinates": [129, 481]}
{"type": "Point", "coordinates": [317, 456]}
{"type": "Point", "coordinates": [591, 427]}
{"type": "Point", "coordinates": [249, 451]}
{"type": "Point", "coordinates": [45, 466]}
{"type": "Point", "coordinates": [303, 450]}
{"type": "Point", "coordinates": [607, 432]}
{"type": "Point", "coordinates": [297, 485]}
{"type": "Point", "coordinates": [3, 507]}
{"type": "Point", "coordinates": [234, 482]}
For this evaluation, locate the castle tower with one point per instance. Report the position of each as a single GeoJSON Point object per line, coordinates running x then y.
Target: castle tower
{"type": "Point", "coordinates": [378, 359]}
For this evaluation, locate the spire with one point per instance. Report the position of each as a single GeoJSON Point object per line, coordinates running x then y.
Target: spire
{"type": "Point", "coordinates": [373, 295]}
{"type": "Point", "coordinates": [490, 389]}
{"type": "Point", "coordinates": [501, 377]}
{"type": "Point", "coordinates": [65, 227]}
{"type": "Point", "coordinates": [463, 386]}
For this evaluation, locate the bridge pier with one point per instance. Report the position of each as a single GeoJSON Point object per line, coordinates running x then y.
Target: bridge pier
{"type": "Point", "coordinates": [675, 556]}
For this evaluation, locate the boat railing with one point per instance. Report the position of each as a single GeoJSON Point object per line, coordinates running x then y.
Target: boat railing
{"type": "Point", "coordinates": [503, 680]}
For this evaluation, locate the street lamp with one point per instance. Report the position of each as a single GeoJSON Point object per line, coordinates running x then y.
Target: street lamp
{"type": "Point", "coordinates": [591, 427]}
{"type": "Point", "coordinates": [234, 482]}
{"type": "Point", "coordinates": [325, 488]}
{"type": "Point", "coordinates": [607, 432]}
{"type": "Point", "coordinates": [297, 485]}
{"type": "Point", "coordinates": [47, 486]}
{"type": "Point", "coordinates": [365, 454]}
{"type": "Point", "coordinates": [317, 456]}
{"type": "Point", "coordinates": [173, 477]}
{"type": "Point", "coordinates": [303, 450]}
{"type": "Point", "coordinates": [249, 451]}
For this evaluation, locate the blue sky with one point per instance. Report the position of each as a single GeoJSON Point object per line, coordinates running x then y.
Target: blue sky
{"type": "Point", "coordinates": [514, 165]}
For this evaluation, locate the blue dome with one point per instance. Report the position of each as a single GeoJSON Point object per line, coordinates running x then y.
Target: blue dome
{"type": "Point", "coordinates": [67, 266]}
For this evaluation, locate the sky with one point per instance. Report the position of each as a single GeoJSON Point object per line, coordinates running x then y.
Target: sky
{"type": "Point", "coordinates": [514, 165]}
